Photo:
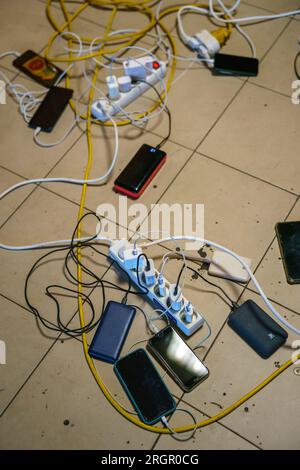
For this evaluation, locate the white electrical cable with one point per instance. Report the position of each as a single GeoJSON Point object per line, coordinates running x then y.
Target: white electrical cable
{"type": "Point", "coordinates": [52, 144]}
{"type": "Point", "coordinates": [200, 344]}
{"type": "Point", "coordinates": [174, 434]}
{"type": "Point", "coordinates": [204, 11]}
{"type": "Point", "coordinates": [238, 258]}
{"type": "Point", "coordinates": [249, 19]}
{"type": "Point", "coordinates": [94, 181]}
{"type": "Point", "coordinates": [238, 28]}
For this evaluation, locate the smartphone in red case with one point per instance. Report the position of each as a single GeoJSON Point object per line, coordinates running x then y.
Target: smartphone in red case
{"type": "Point", "coordinates": [140, 171]}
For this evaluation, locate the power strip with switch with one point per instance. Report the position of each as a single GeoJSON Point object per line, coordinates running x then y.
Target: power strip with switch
{"type": "Point", "coordinates": [159, 290]}
{"type": "Point", "coordinates": [118, 100]}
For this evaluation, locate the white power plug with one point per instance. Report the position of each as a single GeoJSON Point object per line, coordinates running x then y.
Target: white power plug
{"type": "Point", "coordinates": [113, 87]}
{"type": "Point", "coordinates": [130, 257]}
{"type": "Point", "coordinates": [149, 273]}
{"type": "Point", "coordinates": [209, 45]}
{"type": "Point", "coordinates": [161, 286]}
{"type": "Point", "coordinates": [138, 68]}
{"type": "Point", "coordinates": [175, 296]}
{"type": "Point", "coordinates": [188, 312]}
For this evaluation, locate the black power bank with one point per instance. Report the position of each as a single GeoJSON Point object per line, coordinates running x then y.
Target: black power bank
{"type": "Point", "coordinates": [140, 171]}
{"type": "Point", "coordinates": [111, 332]}
{"type": "Point", "coordinates": [226, 64]}
{"type": "Point", "coordinates": [257, 329]}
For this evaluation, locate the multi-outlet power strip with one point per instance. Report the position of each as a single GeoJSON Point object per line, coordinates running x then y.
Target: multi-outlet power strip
{"type": "Point", "coordinates": [126, 89]}
{"type": "Point", "coordinates": [160, 290]}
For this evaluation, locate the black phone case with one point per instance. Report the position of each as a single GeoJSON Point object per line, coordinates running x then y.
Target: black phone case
{"type": "Point", "coordinates": [51, 108]}
{"type": "Point", "coordinates": [154, 156]}
{"type": "Point", "coordinates": [226, 64]}
{"type": "Point", "coordinates": [112, 331]}
{"type": "Point", "coordinates": [257, 329]}
{"type": "Point", "coordinates": [28, 55]}
{"type": "Point", "coordinates": [286, 253]}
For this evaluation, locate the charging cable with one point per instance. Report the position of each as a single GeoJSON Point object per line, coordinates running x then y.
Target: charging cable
{"type": "Point", "coordinates": [245, 266]}
{"type": "Point", "coordinates": [183, 436]}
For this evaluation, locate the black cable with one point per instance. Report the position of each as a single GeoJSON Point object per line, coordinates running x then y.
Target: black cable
{"type": "Point", "coordinates": [296, 67]}
{"type": "Point", "coordinates": [232, 304]}
{"type": "Point", "coordinates": [178, 278]}
{"type": "Point", "coordinates": [97, 282]}
{"type": "Point", "coordinates": [142, 255]}
{"type": "Point", "coordinates": [166, 109]}
{"type": "Point", "coordinates": [61, 327]}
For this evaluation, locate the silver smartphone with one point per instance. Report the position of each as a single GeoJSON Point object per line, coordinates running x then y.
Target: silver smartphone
{"type": "Point", "coordinates": [178, 358]}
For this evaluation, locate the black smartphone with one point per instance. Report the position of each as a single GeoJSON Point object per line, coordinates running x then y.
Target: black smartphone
{"type": "Point", "coordinates": [178, 358]}
{"type": "Point", "coordinates": [144, 386]}
{"type": "Point", "coordinates": [140, 171]}
{"type": "Point", "coordinates": [226, 64]}
{"type": "Point", "coordinates": [51, 108]}
{"type": "Point", "coordinates": [288, 235]}
{"type": "Point", "coordinates": [38, 68]}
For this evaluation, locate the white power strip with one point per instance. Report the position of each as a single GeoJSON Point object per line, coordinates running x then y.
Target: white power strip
{"type": "Point", "coordinates": [104, 107]}
{"type": "Point", "coordinates": [161, 302]}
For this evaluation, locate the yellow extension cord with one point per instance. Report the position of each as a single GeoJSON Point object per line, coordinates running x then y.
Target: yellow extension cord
{"type": "Point", "coordinates": [142, 7]}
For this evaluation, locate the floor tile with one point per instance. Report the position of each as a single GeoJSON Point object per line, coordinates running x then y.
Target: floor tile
{"type": "Point", "coordinates": [42, 217]}
{"type": "Point", "coordinates": [25, 347]}
{"type": "Point", "coordinates": [247, 229]}
{"type": "Point", "coordinates": [130, 140]}
{"type": "Point", "coordinates": [277, 6]}
{"type": "Point", "coordinates": [245, 172]}
{"type": "Point", "coordinates": [281, 57]}
{"type": "Point", "coordinates": [22, 155]}
{"type": "Point", "coordinates": [20, 31]}
{"type": "Point", "coordinates": [234, 370]}
{"type": "Point", "coordinates": [271, 274]}
{"type": "Point", "coordinates": [252, 137]}
{"type": "Point", "coordinates": [84, 421]}
{"type": "Point", "coordinates": [12, 201]}
{"type": "Point", "coordinates": [213, 437]}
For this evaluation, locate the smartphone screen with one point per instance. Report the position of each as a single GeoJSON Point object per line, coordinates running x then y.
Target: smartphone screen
{"type": "Point", "coordinates": [140, 169]}
{"type": "Point", "coordinates": [38, 68]}
{"type": "Point", "coordinates": [144, 386]}
{"type": "Point", "coordinates": [173, 352]}
{"type": "Point", "coordinates": [236, 65]}
{"type": "Point", "coordinates": [288, 234]}
{"type": "Point", "coordinates": [51, 108]}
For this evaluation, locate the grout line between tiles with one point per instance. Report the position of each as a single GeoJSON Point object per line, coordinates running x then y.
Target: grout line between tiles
{"type": "Point", "coordinates": [276, 40]}
{"type": "Point", "coordinates": [221, 424]}
{"type": "Point", "coordinates": [59, 337]}
{"type": "Point", "coordinates": [181, 400]}
{"type": "Point", "coordinates": [202, 140]}
{"type": "Point", "coordinates": [262, 180]}
{"type": "Point", "coordinates": [269, 89]}
{"type": "Point", "coordinates": [37, 185]}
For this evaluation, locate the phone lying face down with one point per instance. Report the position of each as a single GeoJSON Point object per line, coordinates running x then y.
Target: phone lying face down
{"type": "Point", "coordinates": [288, 234]}
{"type": "Point", "coordinates": [178, 358]}
{"type": "Point", "coordinates": [144, 386]}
